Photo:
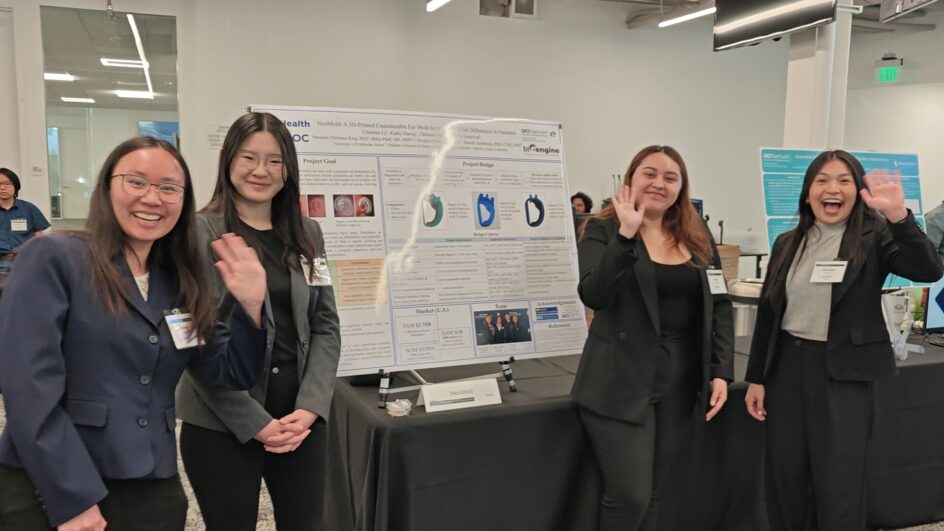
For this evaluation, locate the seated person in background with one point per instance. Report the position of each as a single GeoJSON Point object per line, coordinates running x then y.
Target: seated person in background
{"type": "Point", "coordinates": [934, 221]}
{"type": "Point", "coordinates": [581, 203]}
{"type": "Point", "coordinates": [19, 220]}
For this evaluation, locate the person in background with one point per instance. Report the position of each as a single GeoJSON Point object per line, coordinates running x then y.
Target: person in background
{"type": "Point", "coordinates": [19, 220]}
{"type": "Point", "coordinates": [662, 333]}
{"type": "Point", "coordinates": [820, 339]}
{"type": "Point", "coordinates": [934, 221]}
{"type": "Point", "coordinates": [277, 431]}
{"type": "Point", "coordinates": [581, 202]}
{"type": "Point", "coordinates": [97, 328]}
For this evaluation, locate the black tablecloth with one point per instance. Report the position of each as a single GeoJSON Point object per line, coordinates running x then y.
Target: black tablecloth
{"type": "Point", "coordinates": [526, 464]}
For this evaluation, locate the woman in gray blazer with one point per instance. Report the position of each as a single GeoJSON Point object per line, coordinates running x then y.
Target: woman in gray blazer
{"type": "Point", "coordinates": [230, 441]}
{"type": "Point", "coordinates": [661, 334]}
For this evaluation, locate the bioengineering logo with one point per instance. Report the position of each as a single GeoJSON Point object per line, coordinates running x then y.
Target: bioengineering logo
{"type": "Point", "coordinates": [532, 148]}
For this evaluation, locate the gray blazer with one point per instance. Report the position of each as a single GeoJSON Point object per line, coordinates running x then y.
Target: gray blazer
{"type": "Point", "coordinates": [319, 348]}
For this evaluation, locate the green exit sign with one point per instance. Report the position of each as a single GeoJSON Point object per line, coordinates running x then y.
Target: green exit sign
{"type": "Point", "coordinates": [888, 74]}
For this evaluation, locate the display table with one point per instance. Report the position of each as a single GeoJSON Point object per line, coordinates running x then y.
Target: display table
{"type": "Point", "coordinates": [526, 464]}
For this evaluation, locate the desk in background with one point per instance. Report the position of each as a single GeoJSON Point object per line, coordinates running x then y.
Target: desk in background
{"type": "Point", "coordinates": [527, 465]}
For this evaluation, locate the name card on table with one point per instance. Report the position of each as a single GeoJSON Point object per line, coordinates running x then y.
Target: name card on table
{"type": "Point", "coordinates": [458, 395]}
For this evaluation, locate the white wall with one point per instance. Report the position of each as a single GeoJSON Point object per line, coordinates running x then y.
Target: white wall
{"type": "Point", "coordinates": [902, 118]}
{"type": "Point", "coordinates": [923, 52]}
{"type": "Point", "coordinates": [907, 116]}
{"type": "Point", "coordinates": [615, 90]}
{"type": "Point", "coordinates": [9, 137]}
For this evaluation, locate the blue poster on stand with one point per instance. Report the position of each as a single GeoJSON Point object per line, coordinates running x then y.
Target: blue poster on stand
{"type": "Point", "coordinates": [782, 171]}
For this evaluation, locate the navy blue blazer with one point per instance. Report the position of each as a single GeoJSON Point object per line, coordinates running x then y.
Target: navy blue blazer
{"type": "Point", "coordinates": [89, 394]}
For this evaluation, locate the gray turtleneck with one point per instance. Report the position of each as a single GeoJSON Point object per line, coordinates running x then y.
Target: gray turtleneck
{"type": "Point", "coordinates": [808, 304]}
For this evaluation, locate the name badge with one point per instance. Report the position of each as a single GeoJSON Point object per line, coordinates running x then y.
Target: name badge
{"type": "Point", "coordinates": [458, 395]}
{"type": "Point", "coordinates": [829, 272]}
{"type": "Point", "coordinates": [18, 225]}
{"type": "Point", "coordinates": [716, 283]}
{"type": "Point", "coordinates": [181, 329]}
{"type": "Point", "coordinates": [322, 273]}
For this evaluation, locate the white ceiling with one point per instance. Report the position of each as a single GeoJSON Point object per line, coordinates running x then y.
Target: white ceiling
{"type": "Point", "coordinates": [75, 40]}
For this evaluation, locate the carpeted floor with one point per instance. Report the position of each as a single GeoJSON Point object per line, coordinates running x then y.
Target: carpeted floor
{"type": "Point", "coordinates": [266, 523]}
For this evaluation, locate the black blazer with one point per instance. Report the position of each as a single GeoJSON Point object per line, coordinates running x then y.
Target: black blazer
{"type": "Point", "coordinates": [618, 367]}
{"type": "Point", "coordinates": [858, 346]}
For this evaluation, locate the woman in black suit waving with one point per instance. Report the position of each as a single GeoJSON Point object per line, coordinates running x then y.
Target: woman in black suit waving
{"type": "Point", "coordinates": [662, 332]}
{"type": "Point", "coordinates": [820, 339]}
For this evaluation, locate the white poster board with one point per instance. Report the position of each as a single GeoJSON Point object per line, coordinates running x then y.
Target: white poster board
{"type": "Point", "coordinates": [450, 239]}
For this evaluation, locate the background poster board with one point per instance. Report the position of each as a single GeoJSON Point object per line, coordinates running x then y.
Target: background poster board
{"type": "Point", "coordinates": [782, 171]}
{"type": "Point", "coordinates": [449, 238]}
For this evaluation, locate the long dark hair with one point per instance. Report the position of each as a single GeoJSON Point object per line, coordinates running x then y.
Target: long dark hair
{"type": "Point", "coordinates": [286, 213]}
{"type": "Point", "coordinates": [807, 220]}
{"type": "Point", "coordinates": [681, 220]}
{"type": "Point", "coordinates": [178, 252]}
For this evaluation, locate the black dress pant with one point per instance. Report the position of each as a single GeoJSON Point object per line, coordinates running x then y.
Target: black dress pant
{"type": "Point", "coordinates": [131, 504]}
{"type": "Point", "coordinates": [817, 433]}
{"type": "Point", "coordinates": [227, 475]}
{"type": "Point", "coordinates": [635, 459]}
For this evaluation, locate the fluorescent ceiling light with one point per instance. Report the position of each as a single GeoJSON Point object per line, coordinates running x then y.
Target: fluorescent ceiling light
{"type": "Point", "coordinates": [55, 76]}
{"type": "Point", "coordinates": [139, 94]}
{"type": "Point", "coordinates": [433, 5]}
{"type": "Point", "coordinates": [77, 100]}
{"type": "Point", "coordinates": [137, 43]}
{"type": "Point", "coordinates": [124, 63]}
{"type": "Point", "coordinates": [686, 18]}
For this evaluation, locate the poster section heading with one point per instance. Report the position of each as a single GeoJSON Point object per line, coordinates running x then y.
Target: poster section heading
{"type": "Point", "coordinates": [450, 239]}
{"type": "Point", "coordinates": [782, 171]}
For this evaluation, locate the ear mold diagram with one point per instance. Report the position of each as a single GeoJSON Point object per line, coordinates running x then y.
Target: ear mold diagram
{"type": "Point", "coordinates": [485, 210]}
{"type": "Point", "coordinates": [432, 210]}
{"type": "Point", "coordinates": [534, 211]}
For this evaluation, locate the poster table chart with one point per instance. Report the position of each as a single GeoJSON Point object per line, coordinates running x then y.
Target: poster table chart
{"type": "Point", "coordinates": [527, 465]}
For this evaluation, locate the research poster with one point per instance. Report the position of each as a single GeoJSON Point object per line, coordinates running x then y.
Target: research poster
{"type": "Point", "coordinates": [782, 171]}
{"type": "Point", "coordinates": [450, 239]}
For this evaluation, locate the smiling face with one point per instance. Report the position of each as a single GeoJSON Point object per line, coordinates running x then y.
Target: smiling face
{"type": "Point", "coordinates": [833, 193]}
{"type": "Point", "coordinates": [657, 182]}
{"type": "Point", "coordinates": [257, 171]}
{"type": "Point", "coordinates": [148, 218]}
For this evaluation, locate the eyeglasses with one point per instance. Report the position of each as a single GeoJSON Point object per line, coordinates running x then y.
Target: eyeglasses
{"type": "Point", "coordinates": [138, 186]}
{"type": "Point", "coordinates": [247, 160]}
{"type": "Point", "coordinates": [6, 185]}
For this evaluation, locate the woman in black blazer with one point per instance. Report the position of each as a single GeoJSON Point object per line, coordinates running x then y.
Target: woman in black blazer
{"type": "Point", "coordinates": [820, 340]}
{"type": "Point", "coordinates": [661, 333]}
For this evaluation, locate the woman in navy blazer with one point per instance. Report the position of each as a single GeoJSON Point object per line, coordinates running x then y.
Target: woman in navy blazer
{"type": "Point", "coordinates": [659, 336]}
{"type": "Point", "coordinates": [91, 357]}
{"type": "Point", "coordinates": [819, 345]}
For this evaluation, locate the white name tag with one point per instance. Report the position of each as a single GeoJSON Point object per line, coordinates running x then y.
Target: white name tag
{"type": "Point", "coordinates": [181, 329]}
{"type": "Point", "coordinates": [829, 272]}
{"type": "Point", "coordinates": [322, 272]}
{"type": "Point", "coordinates": [18, 225]}
{"type": "Point", "coordinates": [458, 395]}
{"type": "Point", "coordinates": [716, 283]}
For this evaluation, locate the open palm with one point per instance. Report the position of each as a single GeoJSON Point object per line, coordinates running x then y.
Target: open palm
{"type": "Point", "coordinates": [883, 192]}
{"type": "Point", "coordinates": [629, 213]}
